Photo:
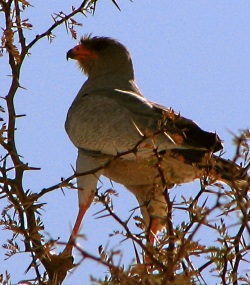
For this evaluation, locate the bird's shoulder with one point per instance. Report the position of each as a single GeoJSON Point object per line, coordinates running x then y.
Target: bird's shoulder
{"type": "Point", "coordinates": [124, 104]}
{"type": "Point", "coordinates": [114, 107]}
{"type": "Point", "coordinates": [124, 98]}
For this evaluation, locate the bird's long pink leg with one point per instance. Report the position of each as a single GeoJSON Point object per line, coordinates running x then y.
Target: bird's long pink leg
{"type": "Point", "coordinates": [82, 210]}
{"type": "Point", "coordinates": [152, 235]}
{"type": "Point", "coordinates": [81, 213]}
{"type": "Point", "coordinates": [153, 230]}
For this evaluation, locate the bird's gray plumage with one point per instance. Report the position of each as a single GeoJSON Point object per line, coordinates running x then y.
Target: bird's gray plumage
{"type": "Point", "coordinates": [110, 117]}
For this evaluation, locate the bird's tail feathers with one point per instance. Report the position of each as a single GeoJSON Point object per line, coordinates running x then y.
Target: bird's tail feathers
{"type": "Point", "coordinates": [230, 173]}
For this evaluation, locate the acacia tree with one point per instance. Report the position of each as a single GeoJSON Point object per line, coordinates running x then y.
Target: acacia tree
{"type": "Point", "coordinates": [173, 259]}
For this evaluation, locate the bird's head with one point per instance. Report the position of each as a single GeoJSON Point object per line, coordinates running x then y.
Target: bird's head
{"type": "Point", "coordinates": [100, 56]}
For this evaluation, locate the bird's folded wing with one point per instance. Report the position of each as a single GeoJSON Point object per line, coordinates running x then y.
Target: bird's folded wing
{"type": "Point", "coordinates": [115, 121]}
{"type": "Point", "coordinates": [194, 136]}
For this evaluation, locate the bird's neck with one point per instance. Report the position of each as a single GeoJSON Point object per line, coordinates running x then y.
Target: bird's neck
{"type": "Point", "coordinates": [110, 82]}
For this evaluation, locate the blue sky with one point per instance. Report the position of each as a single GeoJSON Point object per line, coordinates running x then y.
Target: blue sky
{"type": "Point", "coordinates": [193, 56]}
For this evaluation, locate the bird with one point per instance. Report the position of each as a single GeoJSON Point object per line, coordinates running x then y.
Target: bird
{"type": "Point", "coordinates": [133, 141]}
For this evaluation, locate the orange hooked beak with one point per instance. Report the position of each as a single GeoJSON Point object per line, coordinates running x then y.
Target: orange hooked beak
{"type": "Point", "coordinates": [79, 52]}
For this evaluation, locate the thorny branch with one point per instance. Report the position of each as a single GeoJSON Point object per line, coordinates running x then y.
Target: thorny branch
{"type": "Point", "coordinates": [25, 219]}
{"type": "Point", "coordinates": [172, 257]}
{"type": "Point", "coordinates": [85, 6]}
